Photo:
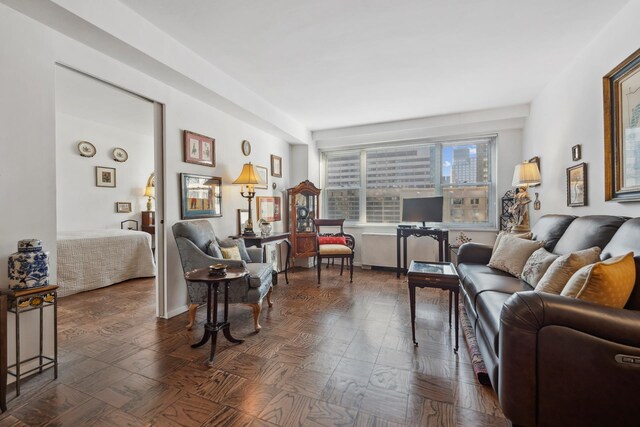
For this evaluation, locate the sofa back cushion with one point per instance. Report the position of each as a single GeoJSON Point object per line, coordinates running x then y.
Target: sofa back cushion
{"type": "Point", "coordinates": [550, 228]}
{"type": "Point", "coordinates": [588, 231]}
{"type": "Point", "coordinates": [200, 232]}
{"type": "Point", "coordinates": [627, 239]}
{"type": "Point", "coordinates": [558, 274]}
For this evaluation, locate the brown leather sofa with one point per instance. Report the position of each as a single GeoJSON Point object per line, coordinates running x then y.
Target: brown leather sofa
{"type": "Point", "coordinates": [555, 360]}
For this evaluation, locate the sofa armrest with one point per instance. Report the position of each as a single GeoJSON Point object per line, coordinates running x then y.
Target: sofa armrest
{"type": "Point", "coordinates": [550, 342]}
{"type": "Point", "coordinates": [474, 253]}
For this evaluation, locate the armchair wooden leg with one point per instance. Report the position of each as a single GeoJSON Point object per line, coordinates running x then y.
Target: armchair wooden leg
{"type": "Point", "coordinates": [192, 315]}
{"type": "Point", "coordinates": [269, 297]}
{"type": "Point", "coordinates": [257, 308]}
{"type": "Point", "coordinates": [319, 268]}
{"type": "Point", "coordinates": [341, 265]}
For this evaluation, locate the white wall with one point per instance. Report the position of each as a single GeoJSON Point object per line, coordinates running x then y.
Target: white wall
{"type": "Point", "coordinates": [27, 112]}
{"type": "Point", "coordinates": [569, 111]}
{"type": "Point", "coordinates": [80, 204]}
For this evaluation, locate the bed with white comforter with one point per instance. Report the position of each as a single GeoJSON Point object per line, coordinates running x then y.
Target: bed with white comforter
{"type": "Point", "coordinates": [98, 258]}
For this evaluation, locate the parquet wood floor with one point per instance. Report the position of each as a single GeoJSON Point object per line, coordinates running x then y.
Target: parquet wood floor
{"type": "Point", "coordinates": [335, 354]}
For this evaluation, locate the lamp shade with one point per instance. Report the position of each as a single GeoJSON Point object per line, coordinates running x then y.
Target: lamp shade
{"type": "Point", "coordinates": [248, 176]}
{"type": "Point", "coordinates": [150, 191]}
{"type": "Point", "coordinates": [526, 174]}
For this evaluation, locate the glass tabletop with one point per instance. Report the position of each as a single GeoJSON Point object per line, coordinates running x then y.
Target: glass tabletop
{"type": "Point", "coordinates": [446, 269]}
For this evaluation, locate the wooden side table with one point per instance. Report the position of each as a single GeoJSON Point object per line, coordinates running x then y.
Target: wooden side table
{"type": "Point", "coordinates": [22, 301]}
{"type": "Point", "coordinates": [212, 326]}
{"type": "Point", "coordinates": [439, 275]}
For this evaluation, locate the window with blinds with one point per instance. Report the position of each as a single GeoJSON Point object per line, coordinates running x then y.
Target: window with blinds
{"type": "Point", "coordinates": [368, 185]}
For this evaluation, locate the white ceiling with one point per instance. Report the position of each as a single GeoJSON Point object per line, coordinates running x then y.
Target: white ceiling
{"type": "Point", "coordinates": [336, 63]}
{"type": "Point", "coordinates": [82, 96]}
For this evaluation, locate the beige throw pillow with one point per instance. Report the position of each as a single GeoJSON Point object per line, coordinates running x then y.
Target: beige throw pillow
{"type": "Point", "coordinates": [537, 264]}
{"type": "Point", "coordinates": [512, 253]}
{"type": "Point", "coordinates": [607, 283]}
{"type": "Point", "coordinates": [563, 268]}
{"type": "Point", "coordinates": [526, 236]}
{"type": "Point", "coordinates": [231, 252]}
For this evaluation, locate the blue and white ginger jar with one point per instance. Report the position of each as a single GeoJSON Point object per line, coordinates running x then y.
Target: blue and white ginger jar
{"type": "Point", "coordinates": [29, 267]}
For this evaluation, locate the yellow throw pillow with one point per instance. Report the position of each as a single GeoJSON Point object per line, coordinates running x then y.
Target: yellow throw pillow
{"type": "Point", "coordinates": [558, 274]}
{"type": "Point", "coordinates": [231, 253]}
{"type": "Point", "coordinates": [606, 283]}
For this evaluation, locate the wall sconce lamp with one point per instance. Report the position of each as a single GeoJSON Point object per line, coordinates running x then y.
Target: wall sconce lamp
{"type": "Point", "coordinates": [248, 177]}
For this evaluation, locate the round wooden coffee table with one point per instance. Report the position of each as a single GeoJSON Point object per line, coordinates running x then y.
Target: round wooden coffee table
{"type": "Point", "coordinates": [212, 326]}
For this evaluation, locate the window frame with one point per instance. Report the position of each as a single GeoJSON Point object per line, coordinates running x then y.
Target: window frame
{"type": "Point", "coordinates": [492, 213]}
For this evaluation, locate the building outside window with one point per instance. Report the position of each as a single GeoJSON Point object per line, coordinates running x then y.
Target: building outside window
{"type": "Point", "coordinates": [368, 185]}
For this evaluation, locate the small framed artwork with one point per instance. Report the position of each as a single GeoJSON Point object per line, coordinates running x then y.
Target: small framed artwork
{"type": "Point", "coordinates": [264, 175]}
{"type": "Point", "coordinates": [576, 153]}
{"type": "Point", "coordinates": [622, 131]}
{"type": "Point", "coordinates": [199, 149]}
{"type": "Point", "coordinates": [577, 185]}
{"type": "Point", "coordinates": [276, 166]}
{"type": "Point", "coordinates": [105, 177]}
{"type": "Point", "coordinates": [269, 208]}
{"type": "Point", "coordinates": [246, 147]}
{"type": "Point", "coordinates": [535, 160]}
{"type": "Point", "coordinates": [201, 196]}
{"type": "Point", "coordinates": [123, 207]}
{"type": "Point", "coordinates": [243, 217]}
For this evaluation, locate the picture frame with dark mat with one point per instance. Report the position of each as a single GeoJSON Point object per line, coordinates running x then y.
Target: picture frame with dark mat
{"type": "Point", "coordinates": [123, 207]}
{"type": "Point", "coordinates": [577, 188]}
{"type": "Point", "coordinates": [105, 177]}
{"type": "Point", "coordinates": [243, 216]}
{"type": "Point", "coordinates": [199, 149]}
{"type": "Point", "coordinates": [201, 196]}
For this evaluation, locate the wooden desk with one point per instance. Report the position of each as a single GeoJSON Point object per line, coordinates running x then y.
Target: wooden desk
{"type": "Point", "coordinates": [439, 275]}
{"type": "Point", "coordinates": [212, 326]}
{"type": "Point", "coordinates": [403, 233]}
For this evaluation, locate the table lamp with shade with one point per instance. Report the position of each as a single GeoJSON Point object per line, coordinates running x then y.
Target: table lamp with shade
{"type": "Point", "coordinates": [150, 190]}
{"type": "Point", "coordinates": [249, 177]}
{"type": "Point", "coordinates": [524, 175]}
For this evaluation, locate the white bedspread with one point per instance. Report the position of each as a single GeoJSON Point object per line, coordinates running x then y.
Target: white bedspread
{"type": "Point", "coordinates": [98, 258]}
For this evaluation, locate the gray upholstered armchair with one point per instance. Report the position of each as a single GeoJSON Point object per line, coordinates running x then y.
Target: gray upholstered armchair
{"type": "Point", "coordinates": [196, 240]}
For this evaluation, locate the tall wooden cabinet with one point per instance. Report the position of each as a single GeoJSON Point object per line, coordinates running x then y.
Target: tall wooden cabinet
{"type": "Point", "coordinates": [304, 206]}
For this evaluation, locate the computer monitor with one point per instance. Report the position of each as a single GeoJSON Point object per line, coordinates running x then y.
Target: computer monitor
{"type": "Point", "coordinates": [423, 209]}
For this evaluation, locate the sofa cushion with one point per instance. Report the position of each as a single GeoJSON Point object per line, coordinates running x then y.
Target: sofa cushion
{"type": "Point", "coordinates": [200, 232]}
{"type": "Point", "coordinates": [239, 243]}
{"type": "Point", "coordinates": [214, 249]}
{"type": "Point", "coordinates": [588, 231]}
{"type": "Point", "coordinates": [512, 253]}
{"type": "Point", "coordinates": [526, 236]}
{"type": "Point", "coordinates": [626, 240]}
{"type": "Point", "coordinates": [259, 273]}
{"type": "Point", "coordinates": [550, 228]}
{"type": "Point", "coordinates": [537, 264]}
{"type": "Point", "coordinates": [564, 267]}
{"type": "Point", "coordinates": [231, 252]}
{"type": "Point", "coordinates": [489, 306]}
{"type": "Point", "coordinates": [607, 283]}
{"type": "Point", "coordinates": [480, 278]}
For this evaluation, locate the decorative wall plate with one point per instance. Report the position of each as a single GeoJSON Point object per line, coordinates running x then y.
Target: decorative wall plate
{"type": "Point", "coordinates": [120, 155]}
{"type": "Point", "coordinates": [246, 147]}
{"type": "Point", "coordinates": [86, 149]}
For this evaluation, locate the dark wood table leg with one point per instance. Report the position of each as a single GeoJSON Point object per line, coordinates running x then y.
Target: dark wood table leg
{"type": "Point", "coordinates": [456, 308]}
{"type": "Point", "coordinates": [286, 264]}
{"type": "Point", "coordinates": [404, 254]}
{"type": "Point", "coordinates": [450, 291]}
{"type": "Point", "coordinates": [412, 303]}
{"type": "Point", "coordinates": [207, 332]}
{"type": "Point", "coordinates": [3, 353]}
{"type": "Point", "coordinates": [440, 251]}
{"type": "Point", "coordinates": [225, 324]}
{"type": "Point", "coordinates": [212, 325]}
{"type": "Point", "coordinates": [445, 244]}
{"type": "Point", "coordinates": [398, 253]}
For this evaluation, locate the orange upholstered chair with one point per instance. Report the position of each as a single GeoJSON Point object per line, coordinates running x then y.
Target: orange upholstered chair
{"type": "Point", "coordinates": [335, 245]}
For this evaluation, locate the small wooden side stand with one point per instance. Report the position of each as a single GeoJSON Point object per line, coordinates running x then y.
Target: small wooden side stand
{"type": "Point", "coordinates": [21, 301]}
{"type": "Point", "coordinates": [3, 353]}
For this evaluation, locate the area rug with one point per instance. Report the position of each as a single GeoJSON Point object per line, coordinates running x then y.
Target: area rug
{"type": "Point", "coordinates": [476, 359]}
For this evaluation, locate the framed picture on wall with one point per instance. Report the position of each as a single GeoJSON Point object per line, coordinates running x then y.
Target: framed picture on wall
{"type": "Point", "coordinates": [276, 166]}
{"type": "Point", "coordinates": [577, 185]}
{"type": "Point", "coordinates": [576, 153]}
{"type": "Point", "coordinates": [264, 175]}
{"type": "Point", "coordinates": [123, 207]}
{"type": "Point", "coordinates": [243, 217]}
{"type": "Point", "coordinates": [622, 131]}
{"type": "Point", "coordinates": [201, 196]}
{"type": "Point", "coordinates": [269, 208]}
{"type": "Point", "coordinates": [105, 177]}
{"type": "Point", "coordinates": [535, 160]}
{"type": "Point", "coordinates": [199, 149]}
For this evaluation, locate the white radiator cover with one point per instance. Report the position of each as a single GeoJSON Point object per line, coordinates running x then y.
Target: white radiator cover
{"type": "Point", "coordinates": [379, 249]}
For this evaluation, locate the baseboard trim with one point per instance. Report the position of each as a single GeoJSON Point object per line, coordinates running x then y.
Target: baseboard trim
{"type": "Point", "coordinates": [177, 311]}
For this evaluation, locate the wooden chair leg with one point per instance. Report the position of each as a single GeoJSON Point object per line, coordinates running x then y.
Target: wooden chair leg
{"type": "Point", "coordinates": [341, 265]}
{"type": "Point", "coordinates": [192, 315]}
{"type": "Point", "coordinates": [269, 297]}
{"type": "Point", "coordinates": [257, 308]}
{"type": "Point", "coordinates": [319, 268]}
{"type": "Point", "coordinates": [351, 269]}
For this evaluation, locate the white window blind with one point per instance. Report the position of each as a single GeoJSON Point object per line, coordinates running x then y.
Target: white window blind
{"type": "Point", "coordinates": [343, 186]}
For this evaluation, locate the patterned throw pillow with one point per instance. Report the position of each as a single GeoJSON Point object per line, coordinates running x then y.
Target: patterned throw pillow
{"type": "Point", "coordinates": [607, 283]}
{"type": "Point", "coordinates": [332, 240]}
{"type": "Point", "coordinates": [239, 243]}
{"type": "Point", "coordinates": [537, 264]}
{"type": "Point", "coordinates": [512, 253]}
{"type": "Point", "coordinates": [231, 253]}
{"type": "Point", "coordinates": [564, 267]}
